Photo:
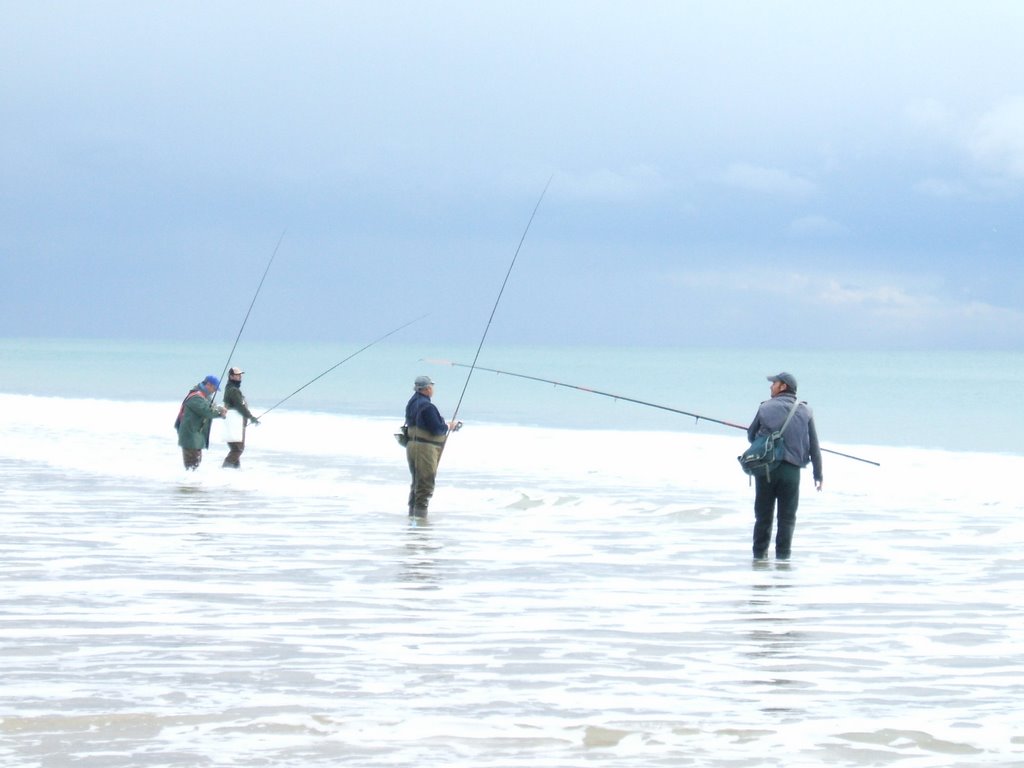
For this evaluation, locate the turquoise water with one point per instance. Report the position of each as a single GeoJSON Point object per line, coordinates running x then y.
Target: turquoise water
{"type": "Point", "coordinates": [948, 400]}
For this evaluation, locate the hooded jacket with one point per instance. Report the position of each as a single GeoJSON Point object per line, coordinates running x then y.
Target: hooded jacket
{"type": "Point", "coordinates": [420, 412]}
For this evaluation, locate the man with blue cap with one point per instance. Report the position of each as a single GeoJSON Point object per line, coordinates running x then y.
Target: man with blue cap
{"type": "Point", "coordinates": [194, 419]}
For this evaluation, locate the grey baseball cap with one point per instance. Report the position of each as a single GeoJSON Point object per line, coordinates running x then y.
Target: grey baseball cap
{"type": "Point", "coordinates": [423, 381]}
{"type": "Point", "coordinates": [786, 378]}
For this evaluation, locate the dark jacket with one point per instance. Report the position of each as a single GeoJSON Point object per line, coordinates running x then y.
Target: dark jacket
{"type": "Point", "coordinates": [234, 400]}
{"type": "Point", "coordinates": [196, 417]}
{"type": "Point", "coordinates": [421, 413]}
{"type": "Point", "coordinates": [800, 437]}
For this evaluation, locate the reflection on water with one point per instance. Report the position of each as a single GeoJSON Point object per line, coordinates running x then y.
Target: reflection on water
{"type": "Point", "coordinates": [776, 643]}
{"type": "Point", "coordinates": [419, 562]}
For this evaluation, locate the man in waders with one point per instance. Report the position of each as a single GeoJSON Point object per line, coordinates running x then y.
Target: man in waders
{"type": "Point", "coordinates": [194, 419]}
{"type": "Point", "coordinates": [427, 432]}
{"type": "Point", "coordinates": [782, 485]}
{"type": "Point", "coordinates": [237, 418]}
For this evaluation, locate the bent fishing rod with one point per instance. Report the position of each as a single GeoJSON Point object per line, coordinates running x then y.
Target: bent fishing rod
{"type": "Point", "coordinates": [696, 416]}
{"type": "Point", "coordinates": [361, 349]}
{"type": "Point", "coordinates": [496, 302]}
{"type": "Point", "coordinates": [246, 320]}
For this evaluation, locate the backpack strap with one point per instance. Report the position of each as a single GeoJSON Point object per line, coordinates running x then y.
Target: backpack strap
{"type": "Point", "coordinates": [181, 411]}
{"type": "Point", "coordinates": [790, 416]}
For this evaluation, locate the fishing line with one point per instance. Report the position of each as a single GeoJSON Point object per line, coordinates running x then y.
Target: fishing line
{"type": "Point", "coordinates": [246, 320]}
{"type": "Point", "coordinates": [696, 416]}
{"type": "Point", "coordinates": [361, 349]}
{"type": "Point", "coordinates": [497, 300]}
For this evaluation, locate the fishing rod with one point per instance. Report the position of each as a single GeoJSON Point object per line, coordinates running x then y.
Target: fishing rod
{"type": "Point", "coordinates": [496, 302]}
{"type": "Point", "coordinates": [361, 349]}
{"type": "Point", "coordinates": [246, 320]}
{"type": "Point", "coordinates": [696, 416]}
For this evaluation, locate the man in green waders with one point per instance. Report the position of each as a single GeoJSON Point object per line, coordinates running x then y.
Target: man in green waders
{"type": "Point", "coordinates": [194, 419]}
{"type": "Point", "coordinates": [427, 432]}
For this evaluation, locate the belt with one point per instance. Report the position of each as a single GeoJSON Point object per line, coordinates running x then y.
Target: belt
{"type": "Point", "coordinates": [421, 440]}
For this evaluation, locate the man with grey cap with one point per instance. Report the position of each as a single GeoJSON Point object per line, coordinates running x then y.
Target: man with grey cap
{"type": "Point", "coordinates": [782, 486]}
{"type": "Point", "coordinates": [427, 433]}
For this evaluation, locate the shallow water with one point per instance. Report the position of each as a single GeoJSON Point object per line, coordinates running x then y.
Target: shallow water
{"type": "Point", "coordinates": [574, 598]}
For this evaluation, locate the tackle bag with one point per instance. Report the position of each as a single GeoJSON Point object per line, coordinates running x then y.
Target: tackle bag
{"type": "Point", "coordinates": [767, 450]}
{"type": "Point", "coordinates": [403, 436]}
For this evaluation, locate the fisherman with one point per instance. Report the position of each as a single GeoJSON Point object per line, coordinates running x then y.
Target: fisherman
{"type": "Point", "coordinates": [194, 420]}
{"type": "Point", "coordinates": [237, 418]}
{"type": "Point", "coordinates": [427, 433]}
{"type": "Point", "coordinates": [782, 486]}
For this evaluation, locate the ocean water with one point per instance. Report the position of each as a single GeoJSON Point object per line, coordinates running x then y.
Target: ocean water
{"type": "Point", "coordinates": [581, 594]}
{"type": "Point", "coordinates": [950, 400]}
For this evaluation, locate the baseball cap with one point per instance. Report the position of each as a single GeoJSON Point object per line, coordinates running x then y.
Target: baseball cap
{"type": "Point", "coordinates": [423, 381]}
{"type": "Point", "coordinates": [211, 379]}
{"type": "Point", "coordinates": [236, 371]}
{"type": "Point", "coordinates": [786, 378]}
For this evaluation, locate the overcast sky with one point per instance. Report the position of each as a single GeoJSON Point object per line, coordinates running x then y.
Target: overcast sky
{"type": "Point", "coordinates": [850, 173]}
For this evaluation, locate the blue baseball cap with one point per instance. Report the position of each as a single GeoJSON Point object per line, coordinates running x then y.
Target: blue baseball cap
{"type": "Point", "coordinates": [211, 379]}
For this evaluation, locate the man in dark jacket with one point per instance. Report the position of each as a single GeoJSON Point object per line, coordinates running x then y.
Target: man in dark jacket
{"type": "Point", "coordinates": [194, 419]}
{"type": "Point", "coordinates": [783, 484]}
{"type": "Point", "coordinates": [237, 418]}
{"type": "Point", "coordinates": [427, 433]}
